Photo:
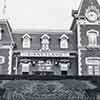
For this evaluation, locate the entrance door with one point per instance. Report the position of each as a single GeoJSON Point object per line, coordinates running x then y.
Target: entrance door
{"type": "Point", "coordinates": [25, 73]}
{"type": "Point", "coordinates": [64, 72]}
{"type": "Point", "coordinates": [64, 68]}
{"type": "Point", "coordinates": [44, 67]}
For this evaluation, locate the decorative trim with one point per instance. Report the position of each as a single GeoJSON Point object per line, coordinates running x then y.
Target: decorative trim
{"type": "Point", "coordinates": [93, 31]}
{"type": "Point", "coordinates": [92, 58]}
{"type": "Point", "coordinates": [45, 35]}
{"type": "Point", "coordinates": [26, 35]}
{"type": "Point", "coordinates": [79, 63]}
{"type": "Point", "coordinates": [64, 36]}
{"type": "Point", "coordinates": [10, 61]}
{"type": "Point", "coordinates": [93, 9]}
{"type": "Point", "coordinates": [5, 47]}
{"type": "Point", "coordinates": [45, 54]}
{"type": "Point", "coordinates": [78, 34]}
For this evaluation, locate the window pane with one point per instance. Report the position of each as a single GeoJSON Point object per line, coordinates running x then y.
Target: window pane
{"type": "Point", "coordinates": [90, 70]}
{"type": "Point", "coordinates": [26, 43]}
{"type": "Point", "coordinates": [64, 43]}
{"type": "Point", "coordinates": [25, 67]}
{"type": "Point", "coordinates": [45, 44]}
{"type": "Point", "coordinates": [92, 39]}
{"type": "Point", "coordinates": [45, 41]}
{"type": "Point", "coordinates": [97, 70]}
{"type": "Point", "coordinates": [64, 66]}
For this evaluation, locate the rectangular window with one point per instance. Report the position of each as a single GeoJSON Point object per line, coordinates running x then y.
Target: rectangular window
{"type": "Point", "coordinates": [97, 70]}
{"type": "Point", "coordinates": [25, 67]}
{"type": "Point", "coordinates": [93, 70]}
{"type": "Point", "coordinates": [93, 64]}
{"type": "Point", "coordinates": [92, 40]}
{"type": "Point", "coordinates": [64, 66]}
{"type": "Point", "coordinates": [90, 70]}
{"type": "Point", "coordinates": [92, 37]}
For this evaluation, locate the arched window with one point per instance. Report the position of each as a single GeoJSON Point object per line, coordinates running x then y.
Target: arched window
{"type": "Point", "coordinates": [45, 42]}
{"type": "Point", "coordinates": [92, 37]}
{"type": "Point", "coordinates": [64, 41]}
{"type": "Point", "coordinates": [26, 41]}
{"type": "Point", "coordinates": [2, 59]}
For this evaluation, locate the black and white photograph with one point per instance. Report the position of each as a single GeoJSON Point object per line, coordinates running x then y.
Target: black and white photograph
{"type": "Point", "coordinates": [49, 50]}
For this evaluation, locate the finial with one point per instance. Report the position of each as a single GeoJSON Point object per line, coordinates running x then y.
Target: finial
{"type": "Point", "coordinates": [4, 9]}
{"type": "Point", "coordinates": [91, 3]}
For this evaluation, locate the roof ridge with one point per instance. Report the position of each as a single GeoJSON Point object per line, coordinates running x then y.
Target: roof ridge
{"type": "Point", "coordinates": [38, 30]}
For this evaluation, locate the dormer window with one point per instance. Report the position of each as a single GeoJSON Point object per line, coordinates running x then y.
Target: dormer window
{"type": "Point", "coordinates": [92, 37]}
{"type": "Point", "coordinates": [64, 41]}
{"type": "Point", "coordinates": [45, 42]}
{"type": "Point", "coordinates": [26, 41]}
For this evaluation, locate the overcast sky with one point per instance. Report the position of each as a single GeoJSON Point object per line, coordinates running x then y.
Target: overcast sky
{"type": "Point", "coordinates": [40, 14]}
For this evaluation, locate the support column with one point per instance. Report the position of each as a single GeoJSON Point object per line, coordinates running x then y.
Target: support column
{"type": "Point", "coordinates": [16, 65]}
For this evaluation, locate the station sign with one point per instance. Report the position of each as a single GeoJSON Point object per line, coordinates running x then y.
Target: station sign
{"type": "Point", "coordinates": [45, 54]}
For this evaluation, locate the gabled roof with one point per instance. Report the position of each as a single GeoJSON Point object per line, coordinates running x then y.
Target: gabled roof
{"type": "Point", "coordinates": [6, 23]}
{"type": "Point", "coordinates": [45, 36]}
{"type": "Point", "coordinates": [64, 36]}
{"type": "Point", "coordinates": [26, 35]}
{"type": "Point", "coordinates": [85, 4]}
{"type": "Point", "coordinates": [41, 31]}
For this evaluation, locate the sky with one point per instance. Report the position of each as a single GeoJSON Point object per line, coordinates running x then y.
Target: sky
{"type": "Point", "coordinates": [40, 14]}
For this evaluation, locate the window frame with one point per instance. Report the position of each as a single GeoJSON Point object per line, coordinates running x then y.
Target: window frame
{"type": "Point", "coordinates": [65, 38]}
{"type": "Point", "coordinates": [25, 66]}
{"type": "Point", "coordinates": [92, 40]}
{"type": "Point", "coordinates": [44, 45]}
{"type": "Point", "coordinates": [29, 41]}
{"type": "Point", "coordinates": [94, 65]}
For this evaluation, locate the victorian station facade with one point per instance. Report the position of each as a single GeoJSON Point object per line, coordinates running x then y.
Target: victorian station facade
{"type": "Point", "coordinates": [52, 52]}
